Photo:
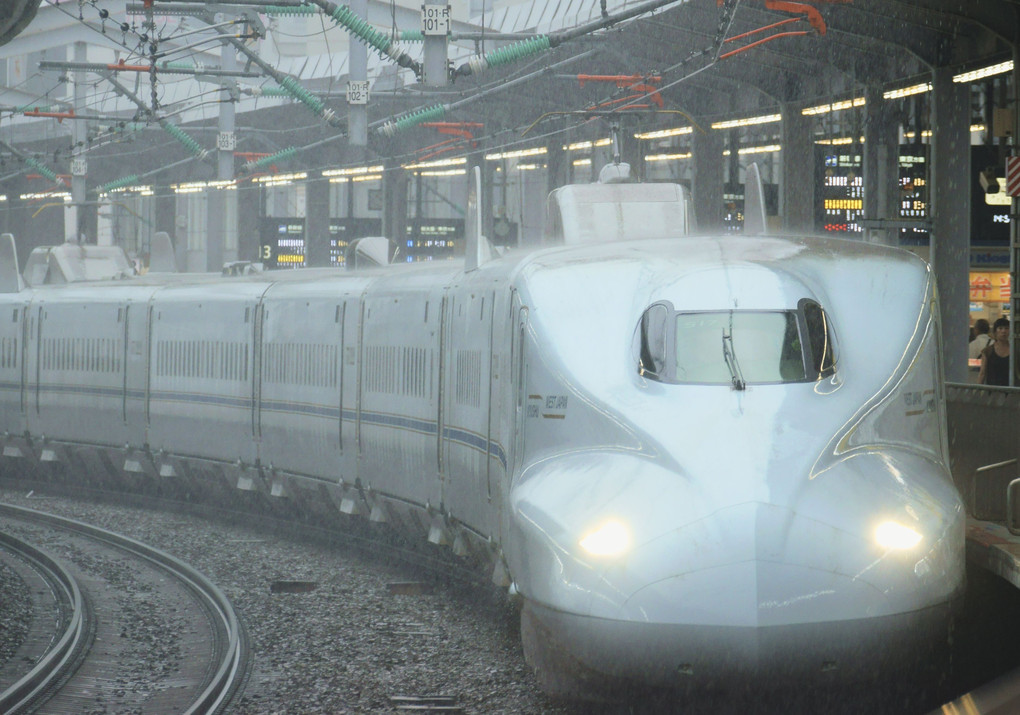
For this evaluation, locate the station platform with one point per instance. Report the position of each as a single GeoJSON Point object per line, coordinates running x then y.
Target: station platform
{"type": "Point", "coordinates": [991, 546]}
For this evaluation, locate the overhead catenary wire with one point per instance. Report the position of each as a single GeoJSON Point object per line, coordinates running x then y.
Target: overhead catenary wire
{"type": "Point", "coordinates": [172, 129]}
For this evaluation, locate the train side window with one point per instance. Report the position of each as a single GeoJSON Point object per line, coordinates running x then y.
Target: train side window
{"type": "Point", "coordinates": [821, 344]}
{"type": "Point", "coordinates": [652, 342]}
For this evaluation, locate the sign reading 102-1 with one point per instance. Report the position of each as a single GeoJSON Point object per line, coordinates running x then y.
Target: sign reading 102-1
{"type": "Point", "coordinates": [357, 92]}
{"type": "Point", "coordinates": [435, 19]}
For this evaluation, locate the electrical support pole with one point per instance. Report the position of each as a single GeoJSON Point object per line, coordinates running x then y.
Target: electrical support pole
{"type": "Point", "coordinates": [435, 21]}
{"type": "Point", "coordinates": [221, 244]}
{"type": "Point", "coordinates": [75, 213]}
{"type": "Point", "coordinates": [357, 94]}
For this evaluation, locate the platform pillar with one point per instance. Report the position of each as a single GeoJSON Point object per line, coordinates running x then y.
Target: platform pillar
{"type": "Point", "coordinates": [707, 185]}
{"type": "Point", "coordinates": [950, 208]}
{"type": "Point", "coordinates": [797, 177]}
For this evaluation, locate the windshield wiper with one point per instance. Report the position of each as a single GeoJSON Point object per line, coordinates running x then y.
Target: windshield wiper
{"type": "Point", "coordinates": [731, 361]}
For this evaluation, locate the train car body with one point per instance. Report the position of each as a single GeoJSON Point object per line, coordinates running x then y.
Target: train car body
{"type": "Point", "coordinates": [690, 456]}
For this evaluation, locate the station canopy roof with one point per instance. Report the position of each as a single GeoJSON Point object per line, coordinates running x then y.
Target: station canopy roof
{"type": "Point", "coordinates": [552, 66]}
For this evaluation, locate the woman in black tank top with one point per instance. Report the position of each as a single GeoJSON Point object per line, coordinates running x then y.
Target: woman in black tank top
{"type": "Point", "coordinates": [995, 358]}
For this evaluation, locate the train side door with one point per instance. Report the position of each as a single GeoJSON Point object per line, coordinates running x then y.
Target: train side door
{"type": "Point", "coordinates": [445, 308]}
{"type": "Point", "coordinates": [136, 371]}
{"type": "Point", "coordinates": [26, 336]}
{"type": "Point", "coordinates": [34, 362]}
{"type": "Point", "coordinates": [350, 318]}
{"type": "Point", "coordinates": [341, 310]}
{"type": "Point", "coordinates": [467, 378]}
{"type": "Point", "coordinates": [519, 381]}
{"type": "Point", "coordinates": [357, 374]}
{"type": "Point", "coordinates": [12, 382]}
{"type": "Point", "coordinates": [256, 379]}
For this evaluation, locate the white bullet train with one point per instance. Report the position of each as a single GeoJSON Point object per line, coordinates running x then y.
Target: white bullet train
{"type": "Point", "coordinates": [689, 456]}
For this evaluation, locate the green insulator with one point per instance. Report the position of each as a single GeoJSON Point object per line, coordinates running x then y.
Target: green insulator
{"type": "Point", "coordinates": [281, 155]}
{"type": "Point", "coordinates": [517, 50]}
{"type": "Point", "coordinates": [362, 29]}
{"type": "Point", "coordinates": [422, 115]}
{"type": "Point", "coordinates": [41, 168]}
{"type": "Point", "coordinates": [412, 36]}
{"type": "Point", "coordinates": [280, 11]}
{"type": "Point", "coordinates": [179, 134]}
{"type": "Point", "coordinates": [275, 92]}
{"type": "Point", "coordinates": [34, 107]}
{"type": "Point", "coordinates": [126, 181]}
{"type": "Point", "coordinates": [177, 65]}
{"type": "Point", "coordinates": [302, 94]}
{"type": "Point", "coordinates": [427, 114]}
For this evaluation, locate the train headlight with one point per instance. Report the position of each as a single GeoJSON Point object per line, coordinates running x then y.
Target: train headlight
{"type": "Point", "coordinates": [610, 539]}
{"type": "Point", "coordinates": [892, 535]}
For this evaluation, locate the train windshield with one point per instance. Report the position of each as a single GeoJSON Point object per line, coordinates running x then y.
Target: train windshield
{"type": "Point", "coordinates": [736, 347]}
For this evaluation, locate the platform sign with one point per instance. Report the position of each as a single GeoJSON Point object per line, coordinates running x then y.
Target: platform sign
{"type": "Point", "coordinates": [282, 242]}
{"type": "Point", "coordinates": [1013, 175]}
{"type": "Point", "coordinates": [989, 213]}
{"type": "Point", "coordinates": [435, 20]}
{"type": "Point", "coordinates": [357, 92]}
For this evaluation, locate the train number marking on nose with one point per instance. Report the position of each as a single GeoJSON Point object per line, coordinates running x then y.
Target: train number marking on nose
{"type": "Point", "coordinates": [921, 401]}
{"type": "Point", "coordinates": [549, 407]}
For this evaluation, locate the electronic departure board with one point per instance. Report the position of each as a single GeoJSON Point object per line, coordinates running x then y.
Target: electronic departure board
{"type": "Point", "coordinates": [840, 199]}
{"type": "Point", "coordinates": [430, 239]}
{"type": "Point", "coordinates": [733, 205]}
{"type": "Point", "coordinates": [282, 242]}
{"type": "Point", "coordinates": [344, 230]}
{"type": "Point", "coordinates": [914, 193]}
{"type": "Point", "coordinates": [284, 245]}
{"type": "Point", "coordinates": [733, 208]}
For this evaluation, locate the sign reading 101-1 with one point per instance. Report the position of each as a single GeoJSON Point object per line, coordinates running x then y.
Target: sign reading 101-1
{"type": "Point", "coordinates": [435, 19]}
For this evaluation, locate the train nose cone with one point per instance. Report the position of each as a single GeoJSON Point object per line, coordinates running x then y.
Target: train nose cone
{"type": "Point", "coordinates": [752, 594]}
{"type": "Point", "coordinates": [760, 589]}
{"type": "Point", "coordinates": [752, 564]}
{"type": "Point", "coordinates": [763, 565]}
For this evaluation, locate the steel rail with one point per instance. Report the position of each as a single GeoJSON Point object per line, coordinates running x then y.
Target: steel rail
{"type": "Point", "coordinates": [54, 664]}
{"type": "Point", "coordinates": [231, 663]}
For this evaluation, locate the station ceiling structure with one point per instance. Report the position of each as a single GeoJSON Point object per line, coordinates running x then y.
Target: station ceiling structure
{"type": "Point", "coordinates": [517, 73]}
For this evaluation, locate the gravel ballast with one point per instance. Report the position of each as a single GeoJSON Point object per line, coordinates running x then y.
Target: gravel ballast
{"type": "Point", "coordinates": [347, 645]}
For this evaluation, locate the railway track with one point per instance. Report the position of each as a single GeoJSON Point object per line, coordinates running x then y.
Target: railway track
{"type": "Point", "coordinates": [138, 628]}
{"type": "Point", "coordinates": [59, 601]}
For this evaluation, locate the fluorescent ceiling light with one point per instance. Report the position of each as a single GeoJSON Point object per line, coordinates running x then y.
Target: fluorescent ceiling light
{"type": "Point", "coordinates": [989, 71]}
{"type": "Point", "coordinates": [834, 107]}
{"type": "Point", "coordinates": [663, 133]}
{"type": "Point", "coordinates": [907, 91]}
{"type": "Point", "coordinates": [577, 146]}
{"type": "Point", "coordinates": [438, 163]}
{"type": "Point", "coordinates": [748, 121]}
{"type": "Point", "coordinates": [667, 157]}
{"type": "Point", "coordinates": [516, 154]}
{"type": "Point", "coordinates": [446, 172]}
{"type": "Point", "coordinates": [767, 149]}
{"type": "Point", "coordinates": [353, 171]}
